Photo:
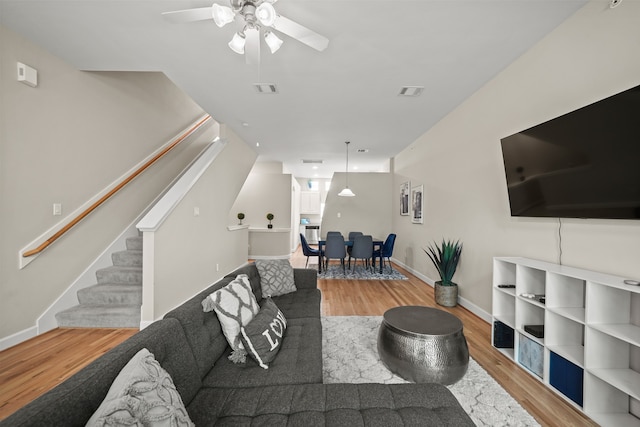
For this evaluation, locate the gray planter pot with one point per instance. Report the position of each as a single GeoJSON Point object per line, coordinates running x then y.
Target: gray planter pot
{"type": "Point", "coordinates": [446, 296]}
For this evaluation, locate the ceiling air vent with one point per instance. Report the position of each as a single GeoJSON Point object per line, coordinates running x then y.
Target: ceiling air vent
{"type": "Point", "coordinates": [363, 150]}
{"type": "Point", "coordinates": [266, 88]}
{"type": "Point", "coordinates": [313, 161]}
{"type": "Point", "coordinates": [411, 91]}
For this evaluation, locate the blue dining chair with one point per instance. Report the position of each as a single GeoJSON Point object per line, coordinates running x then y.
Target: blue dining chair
{"type": "Point", "coordinates": [307, 250]}
{"type": "Point", "coordinates": [362, 249]}
{"type": "Point", "coordinates": [387, 249]}
{"type": "Point", "coordinates": [335, 249]}
{"type": "Point", "coordinates": [352, 236]}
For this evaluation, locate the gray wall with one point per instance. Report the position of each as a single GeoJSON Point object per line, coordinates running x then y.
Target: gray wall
{"type": "Point", "coordinates": [370, 211]}
{"type": "Point", "coordinates": [64, 141]}
{"type": "Point", "coordinates": [589, 57]}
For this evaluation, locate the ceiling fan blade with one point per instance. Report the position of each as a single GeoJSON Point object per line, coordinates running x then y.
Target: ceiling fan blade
{"type": "Point", "coordinates": [300, 33]}
{"type": "Point", "coordinates": [189, 15]}
{"type": "Point", "coordinates": [252, 46]}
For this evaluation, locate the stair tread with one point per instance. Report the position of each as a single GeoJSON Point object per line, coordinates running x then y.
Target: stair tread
{"type": "Point", "coordinates": [100, 315]}
{"type": "Point", "coordinates": [122, 267]}
{"type": "Point", "coordinates": [136, 252]}
{"type": "Point", "coordinates": [93, 306]}
{"type": "Point", "coordinates": [125, 286]}
{"type": "Point", "coordinates": [111, 293]}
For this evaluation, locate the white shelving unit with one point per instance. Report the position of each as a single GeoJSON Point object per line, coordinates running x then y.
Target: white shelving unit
{"type": "Point", "coordinates": [590, 351]}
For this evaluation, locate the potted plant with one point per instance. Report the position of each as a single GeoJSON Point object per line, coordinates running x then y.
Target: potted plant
{"type": "Point", "coordinates": [240, 217]}
{"type": "Point", "coordinates": [270, 217]}
{"type": "Point", "coordinates": [445, 258]}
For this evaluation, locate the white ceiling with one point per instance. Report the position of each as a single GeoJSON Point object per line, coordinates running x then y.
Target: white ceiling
{"type": "Point", "coordinates": [348, 92]}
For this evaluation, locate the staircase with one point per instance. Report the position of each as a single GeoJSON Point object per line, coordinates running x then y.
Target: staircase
{"type": "Point", "coordinates": [114, 302]}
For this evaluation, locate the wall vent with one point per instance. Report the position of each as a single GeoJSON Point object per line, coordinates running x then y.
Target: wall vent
{"type": "Point", "coordinates": [266, 88]}
{"type": "Point", "coordinates": [411, 91]}
{"type": "Point", "coordinates": [363, 150]}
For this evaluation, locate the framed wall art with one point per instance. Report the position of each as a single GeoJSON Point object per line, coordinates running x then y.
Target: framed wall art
{"type": "Point", "coordinates": [405, 190]}
{"type": "Point", "coordinates": [417, 204]}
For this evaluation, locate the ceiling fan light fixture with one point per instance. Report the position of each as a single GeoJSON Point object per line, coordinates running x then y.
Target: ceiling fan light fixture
{"type": "Point", "coordinates": [266, 14]}
{"type": "Point", "coordinates": [237, 43]}
{"type": "Point", "coordinates": [222, 15]}
{"type": "Point", "coordinates": [273, 41]}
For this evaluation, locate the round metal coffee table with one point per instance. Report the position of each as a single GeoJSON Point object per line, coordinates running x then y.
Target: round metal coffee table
{"type": "Point", "coordinates": [423, 345]}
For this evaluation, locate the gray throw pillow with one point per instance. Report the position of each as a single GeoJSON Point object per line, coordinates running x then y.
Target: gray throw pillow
{"type": "Point", "coordinates": [276, 277]}
{"type": "Point", "coordinates": [262, 337]}
{"type": "Point", "coordinates": [143, 394]}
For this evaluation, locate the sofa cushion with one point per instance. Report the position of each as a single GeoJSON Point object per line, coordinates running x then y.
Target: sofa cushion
{"type": "Point", "coordinates": [300, 304]}
{"type": "Point", "coordinates": [263, 336]}
{"type": "Point", "coordinates": [299, 361]}
{"type": "Point", "coordinates": [143, 394]}
{"type": "Point", "coordinates": [235, 306]}
{"type": "Point", "coordinates": [276, 277]}
{"type": "Point", "coordinates": [330, 405]}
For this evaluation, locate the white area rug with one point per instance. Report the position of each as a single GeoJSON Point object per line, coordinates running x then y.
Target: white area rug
{"type": "Point", "coordinates": [350, 355]}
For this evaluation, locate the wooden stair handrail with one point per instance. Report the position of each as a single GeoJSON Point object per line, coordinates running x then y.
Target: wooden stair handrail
{"type": "Point", "coordinates": [117, 188]}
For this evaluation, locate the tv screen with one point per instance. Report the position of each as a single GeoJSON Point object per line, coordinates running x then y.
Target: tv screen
{"type": "Point", "coordinates": [584, 164]}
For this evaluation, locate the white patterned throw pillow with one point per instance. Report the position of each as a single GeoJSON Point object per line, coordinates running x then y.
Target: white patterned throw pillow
{"type": "Point", "coordinates": [276, 277]}
{"type": "Point", "coordinates": [235, 306]}
{"type": "Point", "coordinates": [143, 394]}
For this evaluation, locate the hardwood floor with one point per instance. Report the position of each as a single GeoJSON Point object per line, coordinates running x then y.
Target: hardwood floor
{"type": "Point", "coordinates": [37, 365]}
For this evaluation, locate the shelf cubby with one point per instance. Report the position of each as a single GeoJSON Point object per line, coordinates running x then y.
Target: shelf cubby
{"type": "Point", "coordinates": [610, 359]}
{"type": "Point", "coordinates": [528, 313]}
{"type": "Point", "coordinates": [565, 337]}
{"type": "Point", "coordinates": [530, 280]}
{"type": "Point", "coordinates": [565, 296]}
{"type": "Point", "coordinates": [504, 303]}
{"type": "Point", "coordinates": [504, 273]}
{"type": "Point", "coordinates": [607, 405]}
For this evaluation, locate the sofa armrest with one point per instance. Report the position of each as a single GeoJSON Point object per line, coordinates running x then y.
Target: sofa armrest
{"type": "Point", "coordinates": [305, 278]}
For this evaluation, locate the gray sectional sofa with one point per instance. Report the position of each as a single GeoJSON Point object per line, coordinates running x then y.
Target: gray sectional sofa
{"type": "Point", "coordinates": [189, 344]}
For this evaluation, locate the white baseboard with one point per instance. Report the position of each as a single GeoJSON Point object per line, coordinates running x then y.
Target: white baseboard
{"type": "Point", "coordinates": [462, 301]}
{"type": "Point", "coordinates": [18, 337]}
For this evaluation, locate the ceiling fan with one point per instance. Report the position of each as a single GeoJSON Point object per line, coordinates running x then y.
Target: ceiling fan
{"type": "Point", "coordinates": [257, 15]}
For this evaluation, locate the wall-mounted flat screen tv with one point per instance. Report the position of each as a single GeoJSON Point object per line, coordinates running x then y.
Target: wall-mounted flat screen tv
{"type": "Point", "coordinates": [584, 164]}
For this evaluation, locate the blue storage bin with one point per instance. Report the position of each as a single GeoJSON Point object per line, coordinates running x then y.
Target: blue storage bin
{"type": "Point", "coordinates": [502, 335]}
{"type": "Point", "coordinates": [566, 377]}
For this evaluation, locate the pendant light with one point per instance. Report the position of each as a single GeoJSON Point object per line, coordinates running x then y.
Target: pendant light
{"type": "Point", "coordinates": [346, 191]}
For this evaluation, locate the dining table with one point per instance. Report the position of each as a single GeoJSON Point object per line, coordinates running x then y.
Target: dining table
{"type": "Point", "coordinates": [377, 243]}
